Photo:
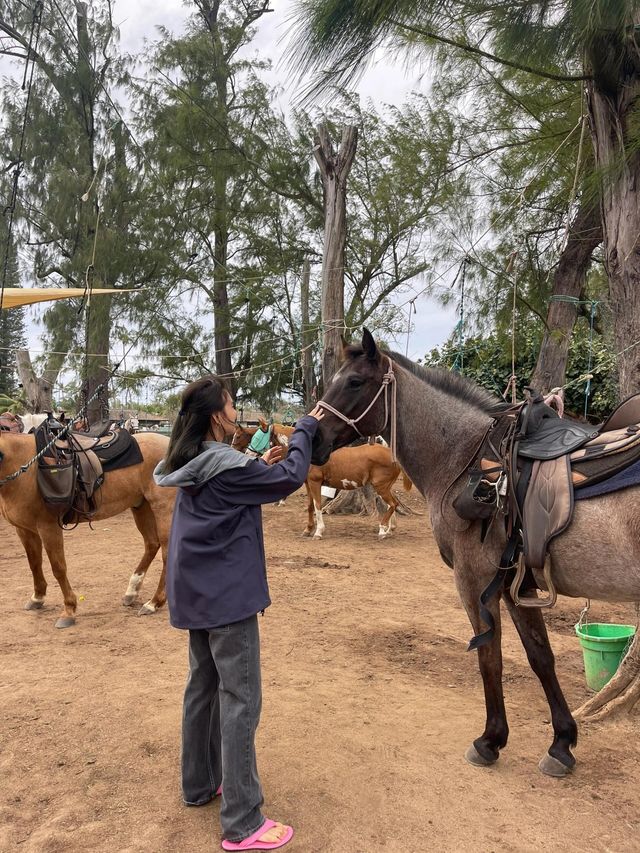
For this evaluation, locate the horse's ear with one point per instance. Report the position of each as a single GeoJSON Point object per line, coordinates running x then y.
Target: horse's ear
{"type": "Point", "coordinates": [263, 424]}
{"type": "Point", "coordinates": [344, 342]}
{"type": "Point", "coordinates": [369, 345]}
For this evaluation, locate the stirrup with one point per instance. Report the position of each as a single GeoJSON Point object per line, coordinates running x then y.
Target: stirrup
{"type": "Point", "coordinates": [549, 601]}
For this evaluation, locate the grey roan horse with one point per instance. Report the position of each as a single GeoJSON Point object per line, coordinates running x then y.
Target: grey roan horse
{"type": "Point", "coordinates": [441, 419]}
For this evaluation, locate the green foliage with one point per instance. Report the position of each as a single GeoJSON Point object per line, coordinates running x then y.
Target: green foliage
{"type": "Point", "coordinates": [215, 210]}
{"type": "Point", "coordinates": [487, 360]}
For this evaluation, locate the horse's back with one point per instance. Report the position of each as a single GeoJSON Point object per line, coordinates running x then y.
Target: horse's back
{"type": "Point", "coordinates": [370, 453]}
{"type": "Point", "coordinates": [153, 445]}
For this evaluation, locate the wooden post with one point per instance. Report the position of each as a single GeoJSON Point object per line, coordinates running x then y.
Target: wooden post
{"type": "Point", "coordinates": [334, 170]}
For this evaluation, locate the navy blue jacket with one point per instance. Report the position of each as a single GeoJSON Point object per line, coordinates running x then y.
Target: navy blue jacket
{"type": "Point", "coordinates": [216, 570]}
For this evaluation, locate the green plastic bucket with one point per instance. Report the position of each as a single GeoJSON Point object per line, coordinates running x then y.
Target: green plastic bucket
{"type": "Point", "coordinates": [603, 647]}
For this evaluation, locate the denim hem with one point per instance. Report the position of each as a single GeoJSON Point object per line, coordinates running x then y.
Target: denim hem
{"type": "Point", "coordinates": [200, 802]}
{"type": "Point", "coordinates": [249, 834]}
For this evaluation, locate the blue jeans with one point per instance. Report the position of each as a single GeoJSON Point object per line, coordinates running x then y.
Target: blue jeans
{"type": "Point", "coordinates": [222, 703]}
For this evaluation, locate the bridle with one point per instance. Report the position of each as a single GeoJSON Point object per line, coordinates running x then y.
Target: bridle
{"type": "Point", "coordinates": [390, 412]}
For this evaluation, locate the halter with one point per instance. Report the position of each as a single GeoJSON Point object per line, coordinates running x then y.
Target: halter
{"type": "Point", "coordinates": [388, 384]}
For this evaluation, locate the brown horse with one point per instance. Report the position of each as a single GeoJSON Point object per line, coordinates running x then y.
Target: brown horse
{"type": "Point", "coordinates": [348, 468]}
{"type": "Point", "coordinates": [441, 418]}
{"type": "Point", "coordinates": [125, 488]}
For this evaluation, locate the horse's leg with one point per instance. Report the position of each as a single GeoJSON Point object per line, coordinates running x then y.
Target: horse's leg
{"type": "Point", "coordinates": [316, 497]}
{"type": "Point", "coordinates": [51, 536]}
{"type": "Point", "coordinates": [310, 517]}
{"type": "Point", "coordinates": [315, 520]}
{"type": "Point", "coordinates": [146, 524]}
{"type": "Point", "coordinates": [32, 544]}
{"type": "Point", "coordinates": [162, 525]}
{"type": "Point", "coordinates": [386, 521]}
{"type": "Point", "coordinates": [485, 750]}
{"type": "Point", "coordinates": [533, 632]}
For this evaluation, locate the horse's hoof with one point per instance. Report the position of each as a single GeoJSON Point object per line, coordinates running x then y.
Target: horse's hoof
{"type": "Point", "coordinates": [147, 609]}
{"type": "Point", "coordinates": [34, 605]}
{"type": "Point", "coordinates": [128, 600]}
{"type": "Point", "coordinates": [472, 756]}
{"type": "Point", "coordinates": [551, 766]}
{"type": "Point", "coordinates": [317, 535]}
{"type": "Point", "coordinates": [66, 621]}
{"type": "Point", "coordinates": [306, 533]}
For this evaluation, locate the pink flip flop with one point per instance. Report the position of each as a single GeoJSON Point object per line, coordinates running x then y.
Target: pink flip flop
{"type": "Point", "coordinates": [252, 843]}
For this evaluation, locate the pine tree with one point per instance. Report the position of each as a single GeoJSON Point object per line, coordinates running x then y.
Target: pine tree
{"type": "Point", "coordinates": [12, 326]}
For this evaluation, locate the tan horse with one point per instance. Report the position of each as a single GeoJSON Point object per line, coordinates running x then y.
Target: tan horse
{"type": "Point", "coordinates": [125, 488]}
{"type": "Point", "coordinates": [348, 468]}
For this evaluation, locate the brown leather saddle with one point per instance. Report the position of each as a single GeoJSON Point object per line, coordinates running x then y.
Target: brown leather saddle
{"type": "Point", "coordinates": [527, 468]}
{"type": "Point", "coordinates": [71, 470]}
{"type": "Point", "coordinates": [11, 423]}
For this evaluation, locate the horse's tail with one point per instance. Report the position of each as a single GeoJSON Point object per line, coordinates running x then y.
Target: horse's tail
{"type": "Point", "coordinates": [406, 482]}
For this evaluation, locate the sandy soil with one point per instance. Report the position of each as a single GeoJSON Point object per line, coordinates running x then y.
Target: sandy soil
{"type": "Point", "coordinates": [370, 700]}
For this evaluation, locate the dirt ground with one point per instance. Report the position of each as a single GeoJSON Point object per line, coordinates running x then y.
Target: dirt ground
{"type": "Point", "coordinates": [370, 700]}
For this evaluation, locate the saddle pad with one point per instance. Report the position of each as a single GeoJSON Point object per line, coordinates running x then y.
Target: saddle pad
{"type": "Point", "coordinates": [121, 453]}
{"type": "Point", "coordinates": [630, 476]}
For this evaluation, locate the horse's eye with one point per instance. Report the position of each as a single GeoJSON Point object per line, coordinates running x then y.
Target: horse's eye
{"type": "Point", "coordinates": [355, 382]}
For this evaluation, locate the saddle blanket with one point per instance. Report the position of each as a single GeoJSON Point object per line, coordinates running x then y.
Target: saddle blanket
{"type": "Point", "coordinates": [121, 453]}
{"type": "Point", "coordinates": [622, 480]}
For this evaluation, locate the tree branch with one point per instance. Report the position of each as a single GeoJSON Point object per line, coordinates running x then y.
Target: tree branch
{"type": "Point", "coordinates": [476, 51]}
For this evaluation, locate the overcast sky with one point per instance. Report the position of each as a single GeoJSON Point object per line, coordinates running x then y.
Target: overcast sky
{"type": "Point", "coordinates": [386, 81]}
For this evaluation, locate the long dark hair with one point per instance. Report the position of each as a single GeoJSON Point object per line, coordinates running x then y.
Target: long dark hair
{"type": "Point", "coordinates": [200, 400]}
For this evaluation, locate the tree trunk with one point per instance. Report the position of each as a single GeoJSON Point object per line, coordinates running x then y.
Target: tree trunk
{"type": "Point", "coordinates": [37, 390]}
{"type": "Point", "coordinates": [334, 170]}
{"type": "Point", "coordinates": [585, 235]}
{"type": "Point", "coordinates": [362, 501]}
{"type": "Point", "coordinates": [306, 336]}
{"type": "Point", "coordinates": [619, 166]}
{"type": "Point", "coordinates": [97, 367]}
{"type": "Point", "coordinates": [612, 110]}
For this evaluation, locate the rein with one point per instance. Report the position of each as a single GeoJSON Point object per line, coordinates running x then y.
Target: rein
{"type": "Point", "coordinates": [390, 412]}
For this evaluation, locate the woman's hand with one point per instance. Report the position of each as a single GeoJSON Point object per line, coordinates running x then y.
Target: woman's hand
{"type": "Point", "coordinates": [317, 412]}
{"type": "Point", "coordinates": [272, 455]}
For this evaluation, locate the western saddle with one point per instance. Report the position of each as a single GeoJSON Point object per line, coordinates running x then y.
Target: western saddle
{"type": "Point", "coordinates": [527, 467]}
{"type": "Point", "coordinates": [11, 423]}
{"type": "Point", "coordinates": [70, 472]}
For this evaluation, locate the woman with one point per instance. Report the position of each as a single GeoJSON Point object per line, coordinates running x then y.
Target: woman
{"type": "Point", "coordinates": [216, 586]}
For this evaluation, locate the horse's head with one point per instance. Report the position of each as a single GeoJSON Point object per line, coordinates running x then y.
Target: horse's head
{"type": "Point", "coordinates": [357, 385]}
{"type": "Point", "coordinates": [242, 438]}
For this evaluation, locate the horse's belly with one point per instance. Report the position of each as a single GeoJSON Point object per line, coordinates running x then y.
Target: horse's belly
{"type": "Point", "coordinates": [598, 556]}
{"type": "Point", "coordinates": [343, 483]}
{"type": "Point", "coordinates": [114, 504]}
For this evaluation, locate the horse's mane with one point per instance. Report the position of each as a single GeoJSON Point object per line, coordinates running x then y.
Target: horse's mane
{"type": "Point", "coordinates": [448, 381]}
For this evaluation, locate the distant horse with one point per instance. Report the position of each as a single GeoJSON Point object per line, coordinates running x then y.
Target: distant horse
{"type": "Point", "coordinates": [125, 488]}
{"type": "Point", "coordinates": [20, 423]}
{"type": "Point", "coordinates": [348, 468]}
{"type": "Point", "coordinates": [441, 419]}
